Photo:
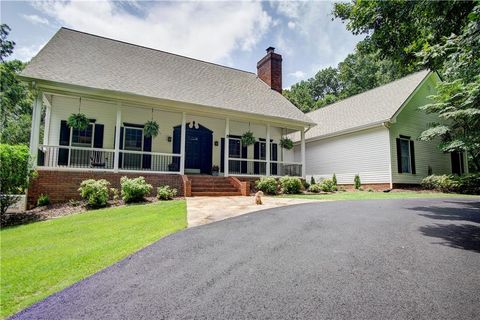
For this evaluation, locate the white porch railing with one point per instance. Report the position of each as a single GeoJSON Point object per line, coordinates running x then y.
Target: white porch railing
{"type": "Point", "coordinates": [104, 159]}
{"type": "Point", "coordinates": [255, 167]}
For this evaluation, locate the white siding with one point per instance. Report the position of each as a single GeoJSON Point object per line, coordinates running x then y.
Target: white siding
{"type": "Point", "coordinates": [411, 122]}
{"type": "Point", "coordinates": [105, 113]}
{"type": "Point", "coordinates": [364, 152]}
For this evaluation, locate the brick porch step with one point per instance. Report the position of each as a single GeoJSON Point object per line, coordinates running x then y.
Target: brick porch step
{"type": "Point", "coordinates": [212, 186]}
{"type": "Point", "coordinates": [215, 194]}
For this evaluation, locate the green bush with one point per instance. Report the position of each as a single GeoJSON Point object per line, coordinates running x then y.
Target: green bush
{"type": "Point", "coordinates": [334, 179]}
{"type": "Point", "coordinates": [15, 173]}
{"type": "Point", "coordinates": [327, 185]}
{"type": "Point", "coordinates": [356, 182]}
{"type": "Point", "coordinates": [166, 193]}
{"type": "Point", "coordinates": [95, 192]}
{"type": "Point", "coordinates": [305, 184]}
{"type": "Point", "coordinates": [291, 185]}
{"type": "Point", "coordinates": [267, 184]}
{"type": "Point", "coordinates": [312, 180]}
{"type": "Point", "coordinates": [134, 190]}
{"type": "Point", "coordinates": [468, 184]}
{"type": "Point", "coordinates": [315, 188]}
{"type": "Point", "coordinates": [43, 200]}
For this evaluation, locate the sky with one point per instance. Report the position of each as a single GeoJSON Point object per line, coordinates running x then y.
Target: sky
{"type": "Point", "coordinates": [231, 33]}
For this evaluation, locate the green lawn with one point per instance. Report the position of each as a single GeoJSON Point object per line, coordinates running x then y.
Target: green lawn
{"type": "Point", "coordinates": [365, 195]}
{"type": "Point", "coordinates": [41, 258]}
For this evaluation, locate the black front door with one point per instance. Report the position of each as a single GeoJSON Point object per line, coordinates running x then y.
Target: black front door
{"type": "Point", "coordinates": [198, 147]}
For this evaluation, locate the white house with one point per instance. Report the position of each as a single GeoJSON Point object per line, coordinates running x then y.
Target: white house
{"type": "Point", "coordinates": [374, 134]}
{"type": "Point", "coordinates": [202, 109]}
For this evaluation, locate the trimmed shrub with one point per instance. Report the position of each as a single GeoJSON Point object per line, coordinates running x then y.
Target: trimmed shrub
{"type": "Point", "coordinates": [43, 200]}
{"type": "Point", "coordinates": [315, 188]}
{"type": "Point", "coordinates": [134, 190]}
{"type": "Point", "coordinates": [15, 173]}
{"type": "Point", "coordinates": [291, 185]}
{"type": "Point", "coordinates": [166, 193]}
{"type": "Point", "coordinates": [267, 184]}
{"type": "Point", "coordinates": [95, 192]}
{"type": "Point", "coordinates": [468, 184]}
{"type": "Point", "coordinates": [327, 185]}
{"type": "Point", "coordinates": [334, 179]}
{"type": "Point", "coordinates": [356, 182]}
{"type": "Point", "coordinates": [312, 180]}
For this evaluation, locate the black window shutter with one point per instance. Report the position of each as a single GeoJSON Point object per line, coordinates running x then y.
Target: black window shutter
{"type": "Point", "coordinates": [222, 154]}
{"type": "Point", "coordinates": [399, 156]}
{"type": "Point", "coordinates": [256, 156]}
{"type": "Point", "coordinates": [64, 141]}
{"type": "Point", "coordinates": [244, 156]}
{"type": "Point", "coordinates": [98, 138]}
{"type": "Point", "coordinates": [274, 157]}
{"type": "Point", "coordinates": [120, 164]}
{"type": "Point", "coordinates": [147, 158]}
{"type": "Point", "coordinates": [412, 157]}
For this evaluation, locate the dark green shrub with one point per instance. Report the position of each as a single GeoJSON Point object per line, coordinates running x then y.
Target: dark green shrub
{"type": "Point", "coordinates": [468, 184]}
{"type": "Point", "coordinates": [334, 179]}
{"type": "Point", "coordinates": [267, 184]}
{"type": "Point", "coordinates": [15, 173]}
{"type": "Point", "coordinates": [315, 188]}
{"type": "Point", "coordinates": [134, 190]}
{"type": "Point", "coordinates": [327, 185]}
{"type": "Point", "coordinates": [305, 184]}
{"type": "Point", "coordinates": [356, 182]}
{"type": "Point", "coordinates": [95, 192]}
{"type": "Point", "coordinates": [43, 200]}
{"type": "Point", "coordinates": [291, 185]}
{"type": "Point", "coordinates": [166, 193]}
{"type": "Point", "coordinates": [312, 180]}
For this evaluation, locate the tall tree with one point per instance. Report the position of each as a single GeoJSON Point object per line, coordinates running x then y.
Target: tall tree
{"type": "Point", "coordinates": [6, 46]}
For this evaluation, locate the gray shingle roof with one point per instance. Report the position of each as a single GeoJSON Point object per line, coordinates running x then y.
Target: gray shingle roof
{"type": "Point", "coordinates": [78, 58]}
{"type": "Point", "coordinates": [367, 108]}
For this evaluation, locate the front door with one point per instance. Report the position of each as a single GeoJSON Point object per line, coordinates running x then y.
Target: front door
{"type": "Point", "coordinates": [198, 147]}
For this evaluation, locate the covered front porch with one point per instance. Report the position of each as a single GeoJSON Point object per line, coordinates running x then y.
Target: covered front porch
{"type": "Point", "coordinates": [189, 142]}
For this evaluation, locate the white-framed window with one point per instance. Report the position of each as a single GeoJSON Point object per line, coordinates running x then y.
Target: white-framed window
{"type": "Point", "coordinates": [133, 139]}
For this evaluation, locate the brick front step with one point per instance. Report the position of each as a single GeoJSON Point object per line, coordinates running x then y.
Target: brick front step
{"type": "Point", "coordinates": [215, 194]}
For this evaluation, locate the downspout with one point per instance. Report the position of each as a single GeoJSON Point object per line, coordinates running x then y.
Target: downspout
{"type": "Point", "coordinates": [386, 125]}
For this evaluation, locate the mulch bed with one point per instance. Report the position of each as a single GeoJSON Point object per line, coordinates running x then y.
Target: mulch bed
{"type": "Point", "coordinates": [55, 211]}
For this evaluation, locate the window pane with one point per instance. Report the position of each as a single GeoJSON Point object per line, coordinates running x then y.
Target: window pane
{"type": "Point", "coordinates": [234, 148]}
{"type": "Point", "coordinates": [405, 155]}
{"type": "Point", "coordinates": [133, 139]}
{"type": "Point", "coordinates": [82, 138]}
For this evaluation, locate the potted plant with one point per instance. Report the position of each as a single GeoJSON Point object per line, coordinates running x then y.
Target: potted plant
{"type": "Point", "coordinates": [215, 170]}
{"type": "Point", "coordinates": [286, 143]}
{"type": "Point", "coordinates": [248, 138]}
{"type": "Point", "coordinates": [151, 129]}
{"type": "Point", "coordinates": [78, 121]}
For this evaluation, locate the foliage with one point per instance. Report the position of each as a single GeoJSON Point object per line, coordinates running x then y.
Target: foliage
{"type": "Point", "coordinates": [15, 173]}
{"type": "Point", "coordinates": [305, 184]}
{"type": "Point", "coordinates": [468, 184]}
{"type": "Point", "coordinates": [134, 190]}
{"type": "Point", "coordinates": [73, 203]}
{"type": "Point", "coordinates": [353, 195]}
{"type": "Point", "coordinates": [39, 259]}
{"type": "Point", "coordinates": [328, 185]}
{"type": "Point", "coordinates": [248, 138]}
{"type": "Point", "coordinates": [291, 185]}
{"type": "Point", "coordinates": [78, 121]}
{"type": "Point", "coordinates": [315, 188]}
{"type": "Point", "coordinates": [334, 179]}
{"type": "Point", "coordinates": [115, 195]}
{"type": "Point", "coordinates": [356, 182]}
{"type": "Point", "coordinates": [166, 193]}
{"type": "Point", "coordinates": [286, 143]}
{"type": "Point", "coordinates": [151, 129]}
{"type": "Point", "coordinates": [6, 46]}
{"type": "Point", "coordinates": [95, 192]}
{"type": "Point", "coordinates": [267, 184]}
{"type": "Point", "coordinates": [312, 180]}
{"type": "Point", "coordinates": [43, 200]}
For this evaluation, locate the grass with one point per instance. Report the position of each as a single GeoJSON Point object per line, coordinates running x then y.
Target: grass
{"type": "Point", "coordinates": [365, 195]}
{"type": "Point", "coordinates": [41, 258]}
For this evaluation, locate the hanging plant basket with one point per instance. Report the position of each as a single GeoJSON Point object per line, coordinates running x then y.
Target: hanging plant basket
{"type": "Point", "coordinates": [151, 129]}
{"type": "Point", "coordinates": [78, 121]}
{"type": "Point", "coordinates": [248, 138]}
{"type": "Point", "coordinates": [286, 143]}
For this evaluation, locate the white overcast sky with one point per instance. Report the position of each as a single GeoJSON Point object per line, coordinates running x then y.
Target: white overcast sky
{"type": "Point", "coordinates": [225, 32]}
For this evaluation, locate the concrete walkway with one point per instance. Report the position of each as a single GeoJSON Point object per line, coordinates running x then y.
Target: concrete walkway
{"type": "Point", "coordinates": [203, 210]}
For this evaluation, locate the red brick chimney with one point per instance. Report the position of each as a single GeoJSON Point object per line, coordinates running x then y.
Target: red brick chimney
{"type": "Point", "coordinates": [269, 69]}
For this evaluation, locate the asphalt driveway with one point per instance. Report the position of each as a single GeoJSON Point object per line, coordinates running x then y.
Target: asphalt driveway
{"type": "Point", "coordinates": [382, 259]}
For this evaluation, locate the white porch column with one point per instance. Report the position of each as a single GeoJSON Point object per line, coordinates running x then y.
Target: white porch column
{"type": "Point", "coordinates": [118, 125]}
{"type": "Point", "coordinates": [267, 149]}
{"type": "Point", "coordinates": [183, 135]}
{"type": "Point", "coordinates": [35, 133]}
{"type": "Point", "coordinates": [46, 130]}
{"type": "Point", "coordinates": [303, 152]}
{"type": "Point", "coordinates": [226, 148]}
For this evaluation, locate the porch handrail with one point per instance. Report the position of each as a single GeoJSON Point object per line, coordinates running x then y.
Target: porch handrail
{"type": "Point", "coordinates": [44, 146]}
{"type": "Point", "coordinates": [265, 161]}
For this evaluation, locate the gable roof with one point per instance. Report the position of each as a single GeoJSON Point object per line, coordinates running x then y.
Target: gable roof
{"type": "Point", "coordinates": [371, 107]}
{"type": "Point", "coordinates": [77, 58]}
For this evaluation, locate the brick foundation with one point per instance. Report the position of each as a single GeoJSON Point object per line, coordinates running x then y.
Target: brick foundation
{"type": "Point", "coordinates": [61, 186]}
{"type": "Point", "coordinates": [373, 186]}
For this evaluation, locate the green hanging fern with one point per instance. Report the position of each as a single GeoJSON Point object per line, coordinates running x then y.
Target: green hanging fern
{"type": "Point", "coordinates": [248, 138]}
{"type": "Point", "coordinates": [78, 121]}
{"type": "Point", "coordinates": [286, 143]}
{"type": "Point", "coordinates": [151, 129]}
